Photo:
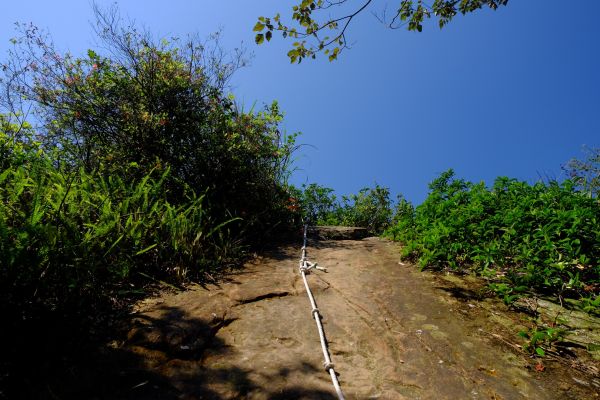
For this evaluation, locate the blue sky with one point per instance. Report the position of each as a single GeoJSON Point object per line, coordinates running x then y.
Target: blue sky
{"type": "Point", "coordinates": [514, 92]}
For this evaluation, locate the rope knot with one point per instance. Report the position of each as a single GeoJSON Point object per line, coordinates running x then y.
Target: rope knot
{"type": "Point", "coordinates": [328, 365]}
{"type": "Point", "coordinates": [306, 266]}
{"type": "Point", "coordinates": [315, 311]}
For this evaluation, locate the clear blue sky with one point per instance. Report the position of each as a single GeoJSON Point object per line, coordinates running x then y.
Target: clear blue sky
{"type": "Point", "coordinates": [514, 92]}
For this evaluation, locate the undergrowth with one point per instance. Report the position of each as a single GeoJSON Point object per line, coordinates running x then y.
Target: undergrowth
{"type": "Point", "coordinates": [370, 208]}
{"type": "Point", "coordinates": [543, 237]}
{"type": "Point", "coordinates": [68, 235]}
{"type": "Point", "coordinates": [127, 165]}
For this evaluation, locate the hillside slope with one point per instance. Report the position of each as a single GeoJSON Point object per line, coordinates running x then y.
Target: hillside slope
{"type": "Point", "coordinates": [394, 333]}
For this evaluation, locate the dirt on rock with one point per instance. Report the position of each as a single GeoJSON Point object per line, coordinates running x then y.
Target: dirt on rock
{"type": "Point", "coordinates": [393, 333]}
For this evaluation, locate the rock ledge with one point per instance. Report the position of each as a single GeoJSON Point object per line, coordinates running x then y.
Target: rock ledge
{"type": "Point", "coordinates": [337, 233]}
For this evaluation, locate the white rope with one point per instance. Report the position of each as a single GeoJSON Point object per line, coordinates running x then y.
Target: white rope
{"type": "Point", "coordinates": [305, 267]}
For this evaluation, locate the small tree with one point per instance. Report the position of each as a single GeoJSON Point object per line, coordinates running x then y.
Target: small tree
{"type": "Point", "coordinates": [586, 173]}
{"type": "Point", "coordinates": [369, 208]}
{"type": "Point", "coordinates": [154, 104]}
{"type": "Point", "coordinates": [318, 203]}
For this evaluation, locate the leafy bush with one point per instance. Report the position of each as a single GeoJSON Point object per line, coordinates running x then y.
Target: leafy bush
{"type": "Point", "coordinates": [69, 236]}
{"type": "Point", "coordinates": [317, 204]}
{"type": "Point", "coordinates": [157, 103]}
{"type": "Point", "coordinates": [370, 208]}
{"type": "Point", "coordinates": [140, 166]}
{"type": "Point", "coordinates": [536, 339]}
{"type": "Point", "coordinates": [542, 236]}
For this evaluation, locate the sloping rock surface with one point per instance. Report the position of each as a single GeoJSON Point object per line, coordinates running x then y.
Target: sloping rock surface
{"type": "Point", "coordinates": [393, 332]}
{"type": "Point", "coordinates": [337, 232]}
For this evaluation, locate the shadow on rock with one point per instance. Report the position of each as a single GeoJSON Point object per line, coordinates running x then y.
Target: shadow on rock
{"type": "Point", "coordinates": [299, 393]}
{"type": "Point", "coordinates": [161, 356]}
{"type": "Point", "coordinates": [55, 358]}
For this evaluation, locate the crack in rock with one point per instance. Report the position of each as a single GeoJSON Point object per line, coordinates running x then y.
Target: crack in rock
{"type": "Point", "coordinates": [261, 297]}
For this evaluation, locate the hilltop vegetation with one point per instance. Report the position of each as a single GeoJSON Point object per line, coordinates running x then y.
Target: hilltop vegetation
{"type": "Point", "coordinates": [541, 238]}
{"type": "Point", "coordinates": [128, 165]}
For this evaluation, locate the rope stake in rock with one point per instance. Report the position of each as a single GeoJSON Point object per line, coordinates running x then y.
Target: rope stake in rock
{"type": "Point", "coordinates": [305, 267]}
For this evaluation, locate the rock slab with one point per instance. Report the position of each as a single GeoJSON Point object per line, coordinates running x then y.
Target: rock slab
{"type": "Point", "coordinates": [337, 233]}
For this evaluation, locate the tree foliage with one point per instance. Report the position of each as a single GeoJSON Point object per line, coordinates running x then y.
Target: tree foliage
{"type": "Point", "coordinates": [68, 236]}
{"type": "Point", "coordinates": [131, 159]}
{"type": "Point", "coordinates": [370, 208]}
{"type": "Point", "coordinates": [155, 103]}
{"type": "Point", "coordinates": [321, 25]}
{"type": "Point", "coordinates": [586, 173]}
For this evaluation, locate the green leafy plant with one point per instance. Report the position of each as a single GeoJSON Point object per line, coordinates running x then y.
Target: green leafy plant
{"type": "Point", "coordinates": [157, 103]}
{"type": "Point", "coordinates": [140, 165]}
{"type": "Point", "coordinates": [509, 294]}
{"type": "Point", "coordinates": [318, 203]}
{"type": "Point", "coordinates": [543, 237]}
{"type": "Point", "coordinates": [141, 168]}
{"type": "Point", "coordinates": [586, 173]}
{"type": "Point", "coordinates": [68, 235]}
{"type": "Point", "coordinates": [591, 304]}
{"type": "Point", "coordinates": [539, 340]}
{"type": "Point", "coordinates": [320, 26]}
{"type": "Point", "coordinates": [370, 208]}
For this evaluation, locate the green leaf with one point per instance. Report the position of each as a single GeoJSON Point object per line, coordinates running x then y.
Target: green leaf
{"type": "Point", "coordinates": [260, 38]}
{"type": "Point", "coordinates": [540, 352]}
{"type": "Point", "coordinates": [113, 245]}
{"type": "Point", "coordinates": [146, 249]}
{"type": "Point", "coordinates": [259, 27]}
{"type": "Point", "coordinates": [523, 334]}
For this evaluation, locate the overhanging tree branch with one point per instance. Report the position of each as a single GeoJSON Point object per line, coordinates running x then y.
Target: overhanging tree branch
{"type": "Point", "coordinates": [308, 25]}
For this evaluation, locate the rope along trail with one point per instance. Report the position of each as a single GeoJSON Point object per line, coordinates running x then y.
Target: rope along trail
{"type": "Point", "coordinates": [305, 267]}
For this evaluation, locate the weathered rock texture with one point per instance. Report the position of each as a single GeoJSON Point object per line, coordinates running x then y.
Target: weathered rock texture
{"type": "Point", "coordinates": [337, 232]}
{"type": "Point", "coordinates": [394, 333]}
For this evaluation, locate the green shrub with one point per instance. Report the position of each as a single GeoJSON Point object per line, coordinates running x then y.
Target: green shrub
{"type": "Point", "coordinates": [317, 203]}
{"type": "Point", "coordinates": [68, 235]}
{"type": "Point", "coordinates": [586, 173]}
{"type": "Point", "coordinates": [157, 104]}
{"type": "Point", "coordinates": [141, 167]}
{"type": "Point", "coordinates": [543, 236]}
{"type": "Point", "coordinates": [370, 208]}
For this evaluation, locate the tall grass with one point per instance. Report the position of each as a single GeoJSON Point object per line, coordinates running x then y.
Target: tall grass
{"type": "Point", "coordinates": [68, 235]}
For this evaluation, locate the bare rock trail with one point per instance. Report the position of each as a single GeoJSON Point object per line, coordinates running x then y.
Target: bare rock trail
{"type": "Point", "coordinates": [393, 333]}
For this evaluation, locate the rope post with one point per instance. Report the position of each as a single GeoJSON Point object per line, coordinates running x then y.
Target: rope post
{"type": "Point", "coordinates": [305, 267]}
